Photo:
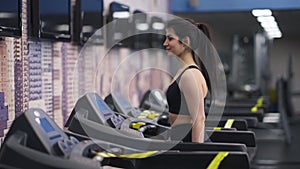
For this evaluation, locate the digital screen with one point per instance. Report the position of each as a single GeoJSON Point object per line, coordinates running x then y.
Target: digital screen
{"type": "Point", "coordinates": [10, 21]}
{"type": "Point", "coordinates": [92, 18]}
{"type": "Point", "coordinates": [123, 102]}
{"type": "Point", "coordinates": [120, 27]}
{"type": "Point", "coordinates": [46, 125]}
{"type": "Point", "coordinates": [104, 109]}
{"type": "Point", "coordinates": [55, 18]}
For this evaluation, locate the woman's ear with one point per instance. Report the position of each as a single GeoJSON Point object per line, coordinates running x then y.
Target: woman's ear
{"type": "Point", "coordinates": [186, 41]}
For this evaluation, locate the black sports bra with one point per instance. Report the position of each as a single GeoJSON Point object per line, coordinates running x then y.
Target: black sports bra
{"type": "Point", "coordinates": [174, 96]}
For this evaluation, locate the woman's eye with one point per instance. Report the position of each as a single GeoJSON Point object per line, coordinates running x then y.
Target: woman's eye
{"type": "Point", "coordinates": [169, 38]}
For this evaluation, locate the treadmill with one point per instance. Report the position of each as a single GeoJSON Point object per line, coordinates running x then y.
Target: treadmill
{"type": "Point", "coordinates": [87, 119]}
{"type": "Point", "coordinates": [42, 144]}
{"type": "Point", "coordinates": [155, 99]}
{"type": "Point", "coordinates": [243, 112]}
{"type": "Point", "coordinates": [35, 141]}
{"type": "Point", "coordinates": [119, 104]}
{"type": "Point", "coordinates": [252, 110]}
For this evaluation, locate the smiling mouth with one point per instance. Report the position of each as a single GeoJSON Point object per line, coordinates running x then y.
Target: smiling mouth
{"type": "Point", "coordinates": [169, 51]}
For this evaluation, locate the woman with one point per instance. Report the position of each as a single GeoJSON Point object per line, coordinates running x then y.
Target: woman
{"type": "Point", "coordinates": [189, 87]}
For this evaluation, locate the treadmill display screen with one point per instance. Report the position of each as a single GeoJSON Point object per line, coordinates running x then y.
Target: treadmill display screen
{"type": "Point", "coordinates": [46, 125]}
{"type": "Point", "coordinates": [104, 109]}
{"type": "Point", "coordinates": [123, 102]}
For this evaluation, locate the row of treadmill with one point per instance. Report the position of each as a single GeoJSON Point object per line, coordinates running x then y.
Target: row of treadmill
{"type": "Point", "coordinates": [110, 133]}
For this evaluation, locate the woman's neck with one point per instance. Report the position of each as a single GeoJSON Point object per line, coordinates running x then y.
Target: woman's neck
{"type": "Point", "coordinates": [186, 59]}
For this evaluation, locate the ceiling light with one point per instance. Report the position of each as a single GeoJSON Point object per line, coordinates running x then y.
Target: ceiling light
{"type": "Point", "coordinates": [277, 34]}
{"type": "Point", "coordinates": [261, 12]}
{"type": "Point", "coordinates": [272, 29]}
{"type": "Point", "coordinates": [274, 33]}
{"type": "Point", "coordinates": [269, 24]}
{"type": "Point", "coordinates": [265, 19]}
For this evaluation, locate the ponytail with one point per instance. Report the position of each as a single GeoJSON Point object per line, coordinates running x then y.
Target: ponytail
{"type": "Point", "coordinates": [205, 29]}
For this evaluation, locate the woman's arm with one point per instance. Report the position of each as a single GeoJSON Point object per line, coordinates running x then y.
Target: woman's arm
{"type": "Point", "coordinates": [193, 86]}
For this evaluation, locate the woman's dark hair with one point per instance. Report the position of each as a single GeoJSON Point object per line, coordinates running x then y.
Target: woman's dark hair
{"type": "Point", "coordinates": [189, 28]}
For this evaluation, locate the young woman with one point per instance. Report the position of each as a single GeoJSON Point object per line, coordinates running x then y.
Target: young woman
{"type": "Point", "coordinates": [190, 85]}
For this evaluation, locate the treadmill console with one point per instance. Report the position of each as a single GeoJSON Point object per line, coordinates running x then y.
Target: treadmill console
{"type": "Point", "coordinates": [155, 99]}
{"type": "Point", "coordinates": [35, 141]}
{"type": "Point", "coordinates": [110, 117]}
{"type": "Point", "coordinates": [119, 104]}
{"type": "Point", "coordinates": [43, 133]}
{"type": "Point", "coordinates": [95, 109]}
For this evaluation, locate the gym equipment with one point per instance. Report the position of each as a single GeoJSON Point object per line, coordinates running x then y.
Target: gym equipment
{"type": "Point", "coordinates": [239, 124]}
{"type": "Point", "coordinates": [282, 130]}
{"type": "Point", "coordinates": [245, 112]}
{"type": "Point", "coordinates": [83, 121]}
{"type": "Point", "coordinates": [155, 99]}
{"type": "Point", "coordinates": [91, 110]}
{"type": "Point", "coordinates": [250, 109]}
{"type": "Point", "coordinates": [119, 104]}
{"type": "Point", "coordinates": [94, 108]}
{"type": "Point", "coordinates": [245, 137]}
{"type": "Point", "coordinates": [262, 101]}
{"type": "Point", "coordinates": [35, 141]}
{"type": "Point", "coordinates": [80, 123]}
{"type": "Point", "coordinates": [42, 144]}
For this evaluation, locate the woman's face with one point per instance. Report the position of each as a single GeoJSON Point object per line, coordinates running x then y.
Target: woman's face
{"type": "Point", "coordinates": [172, 44]}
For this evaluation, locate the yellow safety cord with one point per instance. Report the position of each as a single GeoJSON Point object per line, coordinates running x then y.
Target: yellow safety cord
{"type": "Point", "coordinates": [137, 125]}
{"type": "Point", "coordinates": [215, 163]}
{"type": "Point", "coordinates": [148, 114]}
{"type": "Point", "coordinates": [217, 128]}
{"type": "Point", "coordinates": [152, 115]}
{"type": "Point", "coordinates": [138, 155]}
{"type": "Point", "coordinates": [259, 103]}
{"type": "Point", "coordinates": [134, 155]}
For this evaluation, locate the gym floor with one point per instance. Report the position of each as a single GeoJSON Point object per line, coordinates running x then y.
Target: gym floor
{"type": "Point", "coordinates": [276, 153]}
